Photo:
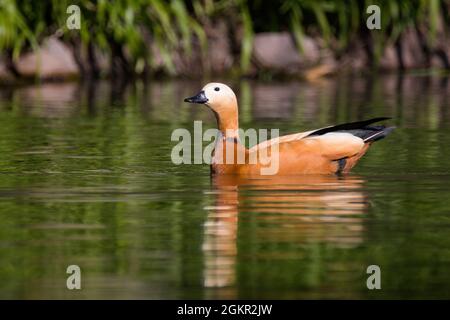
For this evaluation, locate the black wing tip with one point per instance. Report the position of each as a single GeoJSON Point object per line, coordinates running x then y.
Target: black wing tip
{"type": "Point", "coordinates": [388, 130]}
{"type": "Point", "coordinates": [383, 133]}
{"type": "Point", "coordinates": [348, 126]}
{"type": "Point", "coordinates": [370, 121]}
{"type": "Point", "coordinates": [380, 119]}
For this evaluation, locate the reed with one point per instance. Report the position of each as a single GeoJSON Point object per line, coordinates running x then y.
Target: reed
{"type": "Point", "coordinates": [179, 25]}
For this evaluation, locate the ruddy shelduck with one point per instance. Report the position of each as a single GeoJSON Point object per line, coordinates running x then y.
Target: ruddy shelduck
{"type": "Point", "coordinates": [329, 150]}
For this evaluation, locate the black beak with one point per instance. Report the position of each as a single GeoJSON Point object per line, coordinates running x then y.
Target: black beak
{"type": "Point", "coordinates": [198, 98]}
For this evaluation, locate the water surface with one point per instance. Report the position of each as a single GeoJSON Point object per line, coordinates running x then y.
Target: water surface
{"type": "Point", "coordinates": [86, 178]}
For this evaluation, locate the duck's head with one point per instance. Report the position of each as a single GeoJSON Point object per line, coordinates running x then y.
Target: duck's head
{"type": "Point", "coordinates": [217, 96]}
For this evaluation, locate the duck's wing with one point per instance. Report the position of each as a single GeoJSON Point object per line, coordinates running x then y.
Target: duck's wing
{"type": "Point", "coordinates": [286, 138]}
{"type": "Point", "coordinates": [332, 145]}
{"type": "Point", "coordinates": [334, 142]}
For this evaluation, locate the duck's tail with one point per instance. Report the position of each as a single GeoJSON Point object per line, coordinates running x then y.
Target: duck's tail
{"type": "Point", "coordinates": [363, 130]}
{"type": "Point", "coordinates": [375, 133]}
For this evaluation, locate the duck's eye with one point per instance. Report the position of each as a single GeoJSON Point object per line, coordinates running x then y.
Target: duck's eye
{"type": "Point", "coordinates": [217, 88]}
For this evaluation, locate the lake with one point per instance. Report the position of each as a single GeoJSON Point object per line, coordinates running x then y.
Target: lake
{"type": "Point", "coordinates": [86, 179]}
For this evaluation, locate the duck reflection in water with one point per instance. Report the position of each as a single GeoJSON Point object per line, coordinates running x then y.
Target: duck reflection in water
{"type": "Point", "coordinates": [294, 209]}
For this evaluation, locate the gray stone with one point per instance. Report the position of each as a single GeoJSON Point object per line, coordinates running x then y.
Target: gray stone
{"type": "Point", "coordinates": [53, 59]}
{"type": "Point", "coordinates": [219, 48]}
{"type": "Point", "coordinates": [218, 58]}
{"type": "Point", "coordinates": [277, 51]}
{"type": "Point", "coordinates": [411, 50]}
{"type": "Point", "coordinates": [389, 59]}
{"type": "Point", "coordinates": [5, 75]}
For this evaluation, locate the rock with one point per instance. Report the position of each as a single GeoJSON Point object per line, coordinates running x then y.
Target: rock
{"type": "Point", "coordinates": [356, 58]}
{"type": "Point", "coordinates": [219, 48]}
{"type": "Point", "coordinates": [278, 52]}
{"type": "Point", "coordinates": [218, 58]}
{"type": "Point", "coordinates": [389, 59]}
{"type": "Point", "coordinates": [412, 53]}
{"type": "Point", "coordinates": [440, 57]}
{"type": "Point", "coordinates": [5, 75]}
{"type": "Point", "coordinates": [53, 59]}
{"type": "Point", "coordinates": [90, 60]}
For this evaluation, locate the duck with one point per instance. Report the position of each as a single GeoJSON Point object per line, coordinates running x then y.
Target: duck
{"type": "Point", "coordinates": [329, 150]}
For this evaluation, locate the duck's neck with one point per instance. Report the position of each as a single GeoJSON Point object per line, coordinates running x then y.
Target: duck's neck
{"type": "Point", "coordinates": [228, 141]}
{"type": "Point", "coordinates": [228, 123]}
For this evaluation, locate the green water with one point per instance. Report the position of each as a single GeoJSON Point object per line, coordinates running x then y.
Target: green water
{"type": "Point", "coordinates": [86, 178]}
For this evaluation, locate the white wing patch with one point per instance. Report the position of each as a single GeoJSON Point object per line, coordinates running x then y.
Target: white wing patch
{"type": "Point", "coordinates": [337, 145]}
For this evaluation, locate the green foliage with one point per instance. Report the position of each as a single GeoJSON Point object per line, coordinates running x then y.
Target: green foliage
{"type": "Point", "coordinates": [15, 31]}
{"type": "Point", "coordinates": [182, 26]}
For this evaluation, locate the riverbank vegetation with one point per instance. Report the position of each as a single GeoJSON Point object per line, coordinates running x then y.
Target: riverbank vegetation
{"type": "Point", "coordinates": [240, 37]}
